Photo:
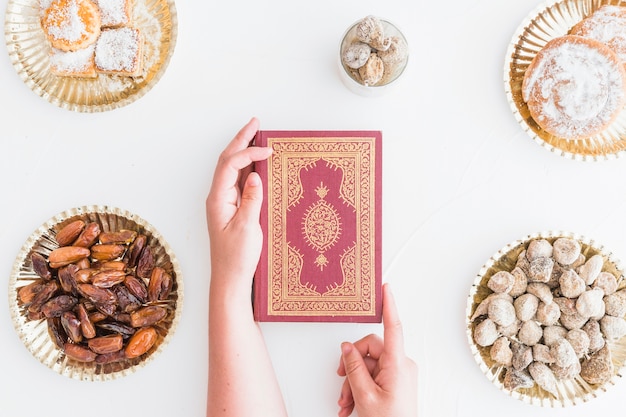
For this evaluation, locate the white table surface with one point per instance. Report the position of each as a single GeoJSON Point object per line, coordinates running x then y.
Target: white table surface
{"type": "Point", "coordinates": [461, 180]}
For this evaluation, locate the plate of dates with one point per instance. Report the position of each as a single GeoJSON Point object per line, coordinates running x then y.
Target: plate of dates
{"type": "Point", "coordinates": [95, 293]}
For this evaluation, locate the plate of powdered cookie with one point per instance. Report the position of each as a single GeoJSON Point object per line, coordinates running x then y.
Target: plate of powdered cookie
{"type": "Point", "coordinates": [565, 77]}
{"type": "Point", "coordinates": [546, 319]}
{"type": "Point", "coordinates": [90, 55]}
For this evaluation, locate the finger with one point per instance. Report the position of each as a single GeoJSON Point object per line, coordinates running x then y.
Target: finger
{"type": "Point", "coordinates": [394, 338]}
{"type": "Point", "coordinates": [361, 382]}
{"type": "Point", "coordinates": [346, 401]}
{"type": "Point", "coordinates": [369, 346]}
{"type": "Point", "coordinates": [251, 199]}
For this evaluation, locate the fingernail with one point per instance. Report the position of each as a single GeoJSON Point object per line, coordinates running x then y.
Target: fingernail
{"type": "Point", "coordinates": [254, 180]}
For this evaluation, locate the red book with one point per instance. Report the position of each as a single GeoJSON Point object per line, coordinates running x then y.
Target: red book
{"type": "Point", "coordinates": [322, 227]}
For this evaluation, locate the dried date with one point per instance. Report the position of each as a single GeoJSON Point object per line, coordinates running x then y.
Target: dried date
{"type": "Point", "coordinates": [79, 353]}
{"type": "Point", "coordinates": [135, 250]}
{"type": "Point", "coordinates": [66, 255]}
{"type": "Point", "coordinates": [27, 293]}
{"type": "Point", "coordinates": [70, 232]}
{"type": "Point", "coordinates": [86, 325]}
{"type": "Point", "coordinates": [67, 278]}
{"type": "Point", "coordinates": [147, 316]}
{"type": "Point", "coordinates": [160, 284]}
{"type": "Point", "coordinates": [107, 252]}
{"type": "Point", "coordinates": [108, 278]}
{"type": "Point", "coordinates": [145, 263]}
{"type": "Point", "coordinates": [89, 236]}
{"type": "Point", "coordinates": [71, 325]}
{"type": "Point", "coordinates": [58, 305]}
{"type": "Point", "coordinates": [106, 344]}
{"type": "Point", "coordinates": [121, 237]}
{"type": "Point", "coordinates": [40, 266]}
{"type": "Point", "coordinates": [141, 342]}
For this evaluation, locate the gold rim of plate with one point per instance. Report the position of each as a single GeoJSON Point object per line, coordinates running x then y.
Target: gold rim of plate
{"type": "Point", "coordinates": [34, 334]}
{"type": "Point", "coordinates": [551, 20]}
{"type": "Point", "coordinates": [571, 392]}
{"type": "Point", "coordinates": [29, 52]}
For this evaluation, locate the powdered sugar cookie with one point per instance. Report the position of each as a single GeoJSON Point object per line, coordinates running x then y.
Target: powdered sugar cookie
{"type": "Point", "coordinates": [574, 87]}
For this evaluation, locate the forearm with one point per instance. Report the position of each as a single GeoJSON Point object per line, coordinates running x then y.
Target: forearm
{"type": "Point", "coordinates": [242, 382]}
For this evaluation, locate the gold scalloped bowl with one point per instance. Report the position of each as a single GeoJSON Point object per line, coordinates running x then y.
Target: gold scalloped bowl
{"type": "Point", "coordinates": [29, 51]}
{"type": "Point", "coordinates": [570, 392]}
{"type": "Point", "coordinates": [551, 20]}
{"type": "Point", "coordinates": [34, 333]}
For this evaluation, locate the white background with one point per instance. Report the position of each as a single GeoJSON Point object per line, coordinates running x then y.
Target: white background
{"type": "Point", "coordinates": [461, 180]}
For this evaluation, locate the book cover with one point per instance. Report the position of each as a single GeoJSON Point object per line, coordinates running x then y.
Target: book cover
{"type": "Point", "coordinates": [322, 227]}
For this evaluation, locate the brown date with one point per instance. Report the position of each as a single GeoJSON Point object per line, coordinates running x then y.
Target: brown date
{"type": "Point", "coordinates": [135, 250]}
{"type": "Point", "coordinates": [145, 263]}
{"type": "Point", "coordinates": [67, 255]}
{"type": "Point", "coordinates": [108, 278]}
{"type": "Point", "coordinates": [106, 344]}
{"type": "Point", "coordinates": [70, 232]}
{"type": "Point", "coordinates": [107, 252]}
{"type": "Point", "coordinates": [97, 295]}
{"type": "Point", "coordinates": [89, 236]}
{"type": "Point", "coordinates": [136, 287]}
{"type": "Point", "coordinates": [58, 305]}
{"type": "Point", "coordinates": [49, 289]}
{"type": "Point", "coordinates": [79, 353]}
{"type": "Point", "coordinates": [160, 284]}
{"type": "Point", "coordinates": [27, 293]}
{"type": "Point", "coordinates": [141, 342]}
{"type": "Point", "coordinates": [83, 276]}
{"type": "Point", "coordinates": [71, 325]}
{"type": "Point", "coordinates": [40, 266]}
{"type": "Point", "coordinates": [67, 278]}
{"type": "Point", "coordinates": [86, 325]}
{"type": "Point", "coordinates": [121, 237]}
{"type": "Point", "coordinates": [56, 332]}
{"type": "Point", "coordinates": [147, 316]}
{"type": "Point", "coordinates": [115, 327]}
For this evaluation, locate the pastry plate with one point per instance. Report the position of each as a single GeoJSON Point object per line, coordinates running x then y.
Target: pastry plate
{"type": "Point", "coordinates": [29, 51]}
{"type": "Point", "coordinates": [34, 333]}
{"type": "Point", "coordinates": [548, 21]}
{"type": "Point", "coordinates": [570, 392]}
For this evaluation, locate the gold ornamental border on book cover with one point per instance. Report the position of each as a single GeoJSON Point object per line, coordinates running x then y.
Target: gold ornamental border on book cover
{"type": "Point", "coordinates": [354, 158]}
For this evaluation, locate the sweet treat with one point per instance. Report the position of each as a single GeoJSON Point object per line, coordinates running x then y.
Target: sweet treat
{"type": "Point", "coordinates": [370, 30]}
{"type": "Point", "coordinates": [373, 70]}
{"type": "Point", "coordinates": [118, 51]}
{"type": "Point", "coordinates": [78, 63]}
{"type": "Point", "coordinates": [70, 25]}
{"type": "Point", "coordinates": [574, 87]}
{"type": "Point", "coordinates": [356, 55]}
{"type": "Point", "coordinates": [607, 25]}
{"type": "Point", "coordinates": [114, 13]}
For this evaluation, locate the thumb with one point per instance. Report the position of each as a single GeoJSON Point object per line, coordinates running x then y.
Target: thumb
{"type": "Point", "coordinates": [360, 380]}
{"type": "Point", "coordinates": [251, 197]}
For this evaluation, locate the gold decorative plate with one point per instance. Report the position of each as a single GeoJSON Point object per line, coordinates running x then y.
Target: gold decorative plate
{"type": "Point", "coordinates": [549, 21]}
{"type": "Point", "coordinates": [29, 51]}
{"type": "Point", "coordinates": [570, 392]}
{"type": "Point", "coordinates": [34, 333]}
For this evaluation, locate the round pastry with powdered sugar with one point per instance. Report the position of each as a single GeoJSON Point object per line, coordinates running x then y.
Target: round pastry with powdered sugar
{"type": "Point", "coordinates": [606, 25]}
{"type": "Point", "coordinates": [71, 25]}
{"type": "Point", "coordinates": [574, 87]}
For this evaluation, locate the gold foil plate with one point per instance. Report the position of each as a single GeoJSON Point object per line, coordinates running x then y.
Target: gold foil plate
{"type": "Point", "coordinates": [29, 51]}
{"type": "Point", "coordinates": [34, 334]}
{"type": "Point", "coordinates": [571, 392]}
{"type": "Point", "coordinates": [549, 21]}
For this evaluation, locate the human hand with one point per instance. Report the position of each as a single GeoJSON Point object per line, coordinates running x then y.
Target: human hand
{"type": "Point", "coordinates": [381, 381]}
{"type": "Point", "coordinates": [232, 209]}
